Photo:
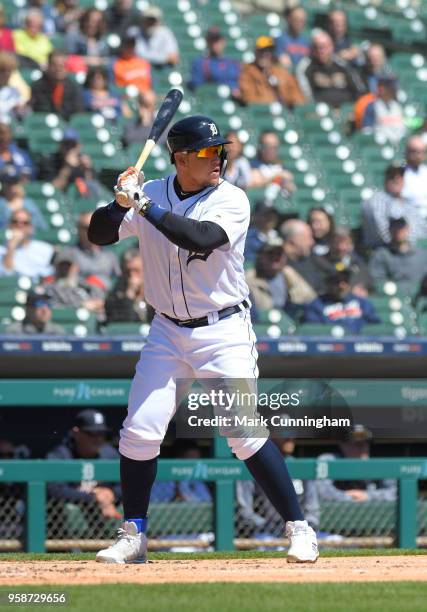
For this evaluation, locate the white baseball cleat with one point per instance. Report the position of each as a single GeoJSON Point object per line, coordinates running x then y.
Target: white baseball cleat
{"type": "Point", "coordinates": [130, 546]}
{"type": "Point", "coordinates": [303, 542]}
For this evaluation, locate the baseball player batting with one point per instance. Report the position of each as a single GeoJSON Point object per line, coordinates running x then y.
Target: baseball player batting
{"type": "Point", "coordinates": [191, 228]}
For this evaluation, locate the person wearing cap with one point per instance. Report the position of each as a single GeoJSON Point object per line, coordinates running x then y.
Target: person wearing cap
{"type": "Point", "coordinates": [356, 446]}
{"type": "Point", "coordinates": [264, 222]}
{"type": "Point", "coordinates": [214, 66]}
{"type": "Point", "coordinates": [66, 287]}
{"type": "Point", "coordinates": [293, 45]}
{"type": "Point", "coordinates": [84, 500]}
{"type": "Point", "coordinates": [399, 261]}
{"type": "Point", "coordinates": [265, 81]}
{"type": "Point", "coordinates": [130, 69]}
{"type": "Point", "coordinates": [155, 42]}
{"type": "Point", "coordinates": [13, 198]}
{"type": "Point", "coordinates": [22, 254]}
{"type": "Point", "coordinates": [54, 92]}
{"type": "Point", "coordinates": [386, 204]}
{"type": "Point", "coordinates": [382, 113]}
{"type": "Point", "coordinates": [338, 305]}
{"type": "Point", "coordinates": [38, 317]}
{"type": "Point", "coordinates": [325, 77]}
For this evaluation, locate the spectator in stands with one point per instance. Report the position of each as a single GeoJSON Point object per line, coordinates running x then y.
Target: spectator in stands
{"type": "Point", "coordinates": [22, 254]}
{"type": "Point", "coordinates": [97, 97]}
{"type": "Point", "coordinates": [214, 66]}
{"type": "Point", "coordinates": [338, 31]}
{"type": "Point", "coordinates": [356, 447]}
{"type": "Point", "coordinates": [342, 256]}
{"type": "Point", "coordinates": [324, 77]}
{"type": "Point", "coordinates": [265, 81]}
{"type": "Point", "coordinates": [293, 45]}
{"type": "Point", "coordinates": [13, 199]}
{"type": "Point", "coordinates": [384, 205]}
{"type": "Point", "coordinates": [238, 170]}
{"type": "Point", "coordinates": [91, 258]}
{"type": "Point", "coordinates": [138, 130]}
{"type": "Point", "coordinates": [71, 166]}
{"type": "Point", "coordinates": [68, 14]}
{"type": "Point", "coordinates": [272, 283]}
{"type": "Point", "coordinates": [298, 245]}
{"type": "Point", "coordinates": [30, 42]}
{"type": "Point", "coordinates": [48, 12]}
{"type": "Point", "coordinates": [322, 227]}
{"type": "Point", "coordinates": [14, 161]}
{"type": "Point", "coordinates": [399, 261]}
{"type": "Point", "coordinates": [375, 65]}
{"type": "Point", "coordinates": [87, 440]}
{"type": "Point", "coordinates": [267, 167]}
{"type": "Point", "coordinates": [415, 177]}
{"type": "Point", "coordinates": [338, 305]}
{"type": "Point", "coordinates": [263, 227]}
{"type": "Point", "coordinates": [38, 317]}
{"type": "Point", "coordinates": [66, 288]}
{"type": "Point", "coordinates": [89, 40]}
{"type": "Point", "coordinates": [381, 112]}
{"type": "Point", "coordinates": [6, 34]}
{"type": "Point", "coordinates": [129, 69]}
{"type": "Point", "coordinates": [126, 301]}
{"type": "Point", "coordinates": [12, 102]}
{"type": "Point", "coordinates": [120, 16]}
{"type": "Point", "coordinates": [155, 42]}
{"type": "Point", "coordinates": [55, 92]}
{"type": "Point", "coordinates": [266, 281]}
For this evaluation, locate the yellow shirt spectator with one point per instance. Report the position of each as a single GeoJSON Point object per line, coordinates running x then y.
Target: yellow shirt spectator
{"type": "Point", "coordinates": [30, 41]}
{"type": "Point", "coordinates": [36, 47]}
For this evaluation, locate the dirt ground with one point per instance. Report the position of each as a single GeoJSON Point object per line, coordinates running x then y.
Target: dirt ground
{"type": "Point", "coordinates": [339, 569]}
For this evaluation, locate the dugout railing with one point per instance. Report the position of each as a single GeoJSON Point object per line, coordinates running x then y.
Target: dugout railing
{"type": "Point", "coordinates": [34, 475]}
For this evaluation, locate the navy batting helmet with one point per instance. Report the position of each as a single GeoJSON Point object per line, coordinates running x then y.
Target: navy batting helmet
{"type": "Point", "coordinates": [194, 133]}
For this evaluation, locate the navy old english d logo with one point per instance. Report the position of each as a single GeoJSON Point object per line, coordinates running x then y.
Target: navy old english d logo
{"type": "Point", "coordinates": [202, 256]}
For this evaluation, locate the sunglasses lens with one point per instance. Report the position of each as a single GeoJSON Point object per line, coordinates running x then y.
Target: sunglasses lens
{"type": "Point", "coordinates": [210, 151]}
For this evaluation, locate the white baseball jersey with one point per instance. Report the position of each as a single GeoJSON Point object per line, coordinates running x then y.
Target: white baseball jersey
{"type": "Point", "coordinates": [181, 283]}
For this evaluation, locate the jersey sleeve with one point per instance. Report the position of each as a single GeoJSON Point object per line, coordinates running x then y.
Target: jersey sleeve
{"type": "Point", "coordinates": [231, 211]}
{"type": "Point", "coordinates": [128, 226]}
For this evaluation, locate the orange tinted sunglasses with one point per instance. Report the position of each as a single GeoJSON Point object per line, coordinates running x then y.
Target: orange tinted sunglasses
{"type": "Point", "coordinates": [214, 151]}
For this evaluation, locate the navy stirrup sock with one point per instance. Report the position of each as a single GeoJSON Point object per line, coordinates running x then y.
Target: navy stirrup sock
{"type": "Point", "coordinates": [137, 478]}
{"type": "Point", "coordinates": [268, 468]}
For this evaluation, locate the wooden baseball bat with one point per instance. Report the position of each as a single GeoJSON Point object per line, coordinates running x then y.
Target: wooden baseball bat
{"type": "Point", "coordinates": [164, 116]}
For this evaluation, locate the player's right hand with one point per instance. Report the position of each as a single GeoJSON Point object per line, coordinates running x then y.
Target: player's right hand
{"type": "Point", "coordinates": [129, 183]}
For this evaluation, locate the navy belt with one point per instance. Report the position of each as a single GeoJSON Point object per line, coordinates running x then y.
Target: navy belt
{"type": "Point", "coordinates": [204, 321]}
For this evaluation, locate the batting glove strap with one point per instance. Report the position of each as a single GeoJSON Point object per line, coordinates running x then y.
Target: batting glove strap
{"type": "Point", "coordinates": [142, 203]}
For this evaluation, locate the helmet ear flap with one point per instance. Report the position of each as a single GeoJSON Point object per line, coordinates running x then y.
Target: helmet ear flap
{"type": "Point", "coordinates": [223, 159]}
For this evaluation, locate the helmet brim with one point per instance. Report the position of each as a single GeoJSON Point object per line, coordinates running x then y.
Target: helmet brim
{"type": "Point", "coordinates": [207, 142]}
